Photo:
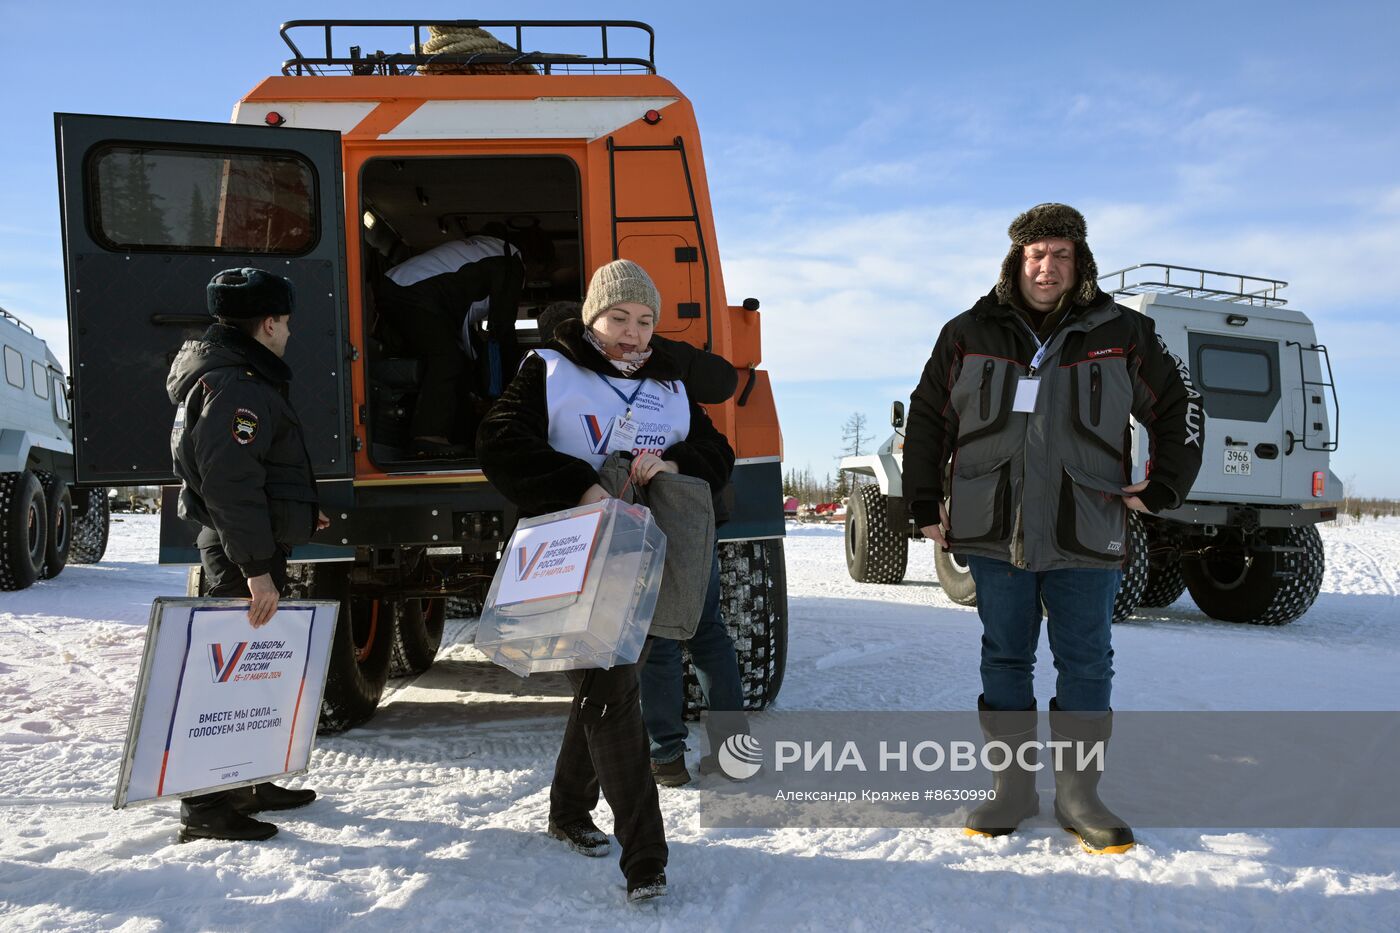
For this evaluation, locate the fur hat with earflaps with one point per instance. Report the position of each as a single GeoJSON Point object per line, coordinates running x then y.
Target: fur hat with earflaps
{"type": "Point", "coordinates": [248, 293]}
{"type": "Point", "coordinates": [1047, 221]}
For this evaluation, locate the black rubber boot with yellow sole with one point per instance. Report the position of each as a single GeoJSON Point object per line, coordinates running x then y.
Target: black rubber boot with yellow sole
{"type": "Point", "coordinates": [1014, 796]}
{"type": "Point", "coordinates": [1077, 805]}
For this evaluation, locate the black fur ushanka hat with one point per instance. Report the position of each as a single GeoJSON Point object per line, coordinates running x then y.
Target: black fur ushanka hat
{"type": "Point", "coordinates": [1045, 221]}
{"type": "Point", "coordinates": [247, 293]}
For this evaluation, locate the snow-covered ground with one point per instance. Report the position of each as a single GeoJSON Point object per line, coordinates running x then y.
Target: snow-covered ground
{"type": "Point", "coordinates": [433, 816]}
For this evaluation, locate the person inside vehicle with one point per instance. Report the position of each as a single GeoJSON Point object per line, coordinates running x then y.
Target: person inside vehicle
{"type": "Point", "coordinates": [436, 302]}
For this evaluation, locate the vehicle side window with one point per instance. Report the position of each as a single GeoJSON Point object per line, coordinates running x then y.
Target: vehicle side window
{"type": "Point", "coordinates": [190, 200]}
{"type": "Point", "coordinates": [40, 380]}
{"type": "Point", "coordinates": [1249, 372]}
{"type": "Point", "coordinates": [14, 368]}
{"type": "Point", "coordinates": [60, 400]}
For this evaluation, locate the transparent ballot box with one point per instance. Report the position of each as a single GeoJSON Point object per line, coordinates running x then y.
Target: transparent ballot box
{"type": "Point", "coordinates": [574, 589]}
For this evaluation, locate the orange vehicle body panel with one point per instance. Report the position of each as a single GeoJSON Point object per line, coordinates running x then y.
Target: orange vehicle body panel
{"type": "Point", "coordinates": [648, 184]}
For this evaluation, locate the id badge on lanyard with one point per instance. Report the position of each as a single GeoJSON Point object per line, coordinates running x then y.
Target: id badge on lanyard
{"type": "Point", "coordinates": [1028, 386]}
{"type": "Point", "coordinates": [624, 430]}
{"type": "Point", "coordinates": [624, 434]}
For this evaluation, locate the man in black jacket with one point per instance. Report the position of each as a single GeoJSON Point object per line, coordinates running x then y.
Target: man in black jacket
{"type": "Point", "coordinates": [247, 480]}
{"type": "Point", "coordinates": [1029, 394]}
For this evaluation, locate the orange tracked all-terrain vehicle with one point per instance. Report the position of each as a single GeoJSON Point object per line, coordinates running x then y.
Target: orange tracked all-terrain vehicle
{"type": "Point", "coordinates": [331, 173]}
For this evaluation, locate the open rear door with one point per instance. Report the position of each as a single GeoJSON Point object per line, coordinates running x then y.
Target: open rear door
{"type": "Point", "coordinates": [151, 210]}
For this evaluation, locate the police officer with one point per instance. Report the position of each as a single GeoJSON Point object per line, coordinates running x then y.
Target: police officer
{"type": "Point", "coordinates": [247, 480]}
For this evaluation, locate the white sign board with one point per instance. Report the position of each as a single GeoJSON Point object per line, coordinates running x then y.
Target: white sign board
{"type": "Point", "coordinates": [221, 704]}
{"type": "Point", "coordinates": [548, 560]}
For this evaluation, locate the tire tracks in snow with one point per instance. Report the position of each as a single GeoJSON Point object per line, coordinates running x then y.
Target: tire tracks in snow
{"type": "Point", "coordinates": [1376, 565]}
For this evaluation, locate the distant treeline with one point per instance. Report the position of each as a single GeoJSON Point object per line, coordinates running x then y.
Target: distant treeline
{"type": "Point", "coordinates": [1359, 508]}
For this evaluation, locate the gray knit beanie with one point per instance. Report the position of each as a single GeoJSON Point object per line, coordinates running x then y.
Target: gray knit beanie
{"type": "Point", "coordinates": [1047, 221]}
{"type": "Point", "coordinates": [618, 281]}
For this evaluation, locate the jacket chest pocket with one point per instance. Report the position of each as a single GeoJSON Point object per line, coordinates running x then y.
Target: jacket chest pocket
{"type": "Point", "coordinates": [982, 396]}
{"type": "Point", "coordinates": [1101, 399]}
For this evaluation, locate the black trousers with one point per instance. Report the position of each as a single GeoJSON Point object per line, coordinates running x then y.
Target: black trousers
{"type": "Point", "coordinates": [432, 337]}
{"type": "Point", "coordinates": [222, 578]}
{"type": "Point", "coordinates": [610, 753]}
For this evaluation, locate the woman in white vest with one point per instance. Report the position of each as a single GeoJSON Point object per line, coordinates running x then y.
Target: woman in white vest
{"type": "Point", "coordinates": [599, 388]}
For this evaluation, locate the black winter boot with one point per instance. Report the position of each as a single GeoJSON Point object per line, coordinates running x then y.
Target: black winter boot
{"type": "Point", "coordinates": [222, 822]}
{"type": "Point", "coordinates": [1014, 786]}
{"type": "Point", "coordinates": [583, 837]}
{"type": "Point", "coordinates": [1077, 804]}
{"type": "Point", "coordinates": [645, 880]}
{"type": "Point", "coordinates": [268, 796]}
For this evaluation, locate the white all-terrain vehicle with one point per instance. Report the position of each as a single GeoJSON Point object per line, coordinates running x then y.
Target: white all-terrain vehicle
{"type": "Point", "coordinates": [1245, 541]}
{"type": "Point", "coordinates": [44, 522]}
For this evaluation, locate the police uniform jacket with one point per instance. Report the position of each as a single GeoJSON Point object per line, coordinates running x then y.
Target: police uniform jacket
{"type": "Point", "coordinates": [238, 448]}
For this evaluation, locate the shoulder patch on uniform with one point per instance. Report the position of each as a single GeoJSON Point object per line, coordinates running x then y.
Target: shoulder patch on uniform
{"type": "Point", "coordinates": [245, 426]}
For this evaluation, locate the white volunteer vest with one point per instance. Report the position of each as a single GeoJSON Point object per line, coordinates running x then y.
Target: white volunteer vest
{"type": "Point", "coordinates": [584, 405]}
{"type": "Point", "coordinates": [449, 257]}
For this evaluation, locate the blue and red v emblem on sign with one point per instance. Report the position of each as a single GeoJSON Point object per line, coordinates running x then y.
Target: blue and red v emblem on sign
{"type": "Point", "coordinates": [524, 565]}
{"type": "Point", "coordinates": [223, 670]}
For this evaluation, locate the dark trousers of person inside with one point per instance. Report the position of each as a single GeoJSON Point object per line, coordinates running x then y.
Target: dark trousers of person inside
{"type": "Point", "coordinates": [433, 337]}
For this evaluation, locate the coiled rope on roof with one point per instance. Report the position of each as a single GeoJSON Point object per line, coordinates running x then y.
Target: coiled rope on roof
{"type": "Point", "coordinates": [465, 41]}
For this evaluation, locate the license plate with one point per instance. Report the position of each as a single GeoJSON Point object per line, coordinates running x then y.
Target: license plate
{"type": "Point", "coordinates": [1237, 462]}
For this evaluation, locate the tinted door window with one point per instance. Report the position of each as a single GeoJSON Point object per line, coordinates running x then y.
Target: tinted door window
{"type": "Point", "coordinates": [187, 200]}
{"type": "Point", "coordinates": [1247, 371]}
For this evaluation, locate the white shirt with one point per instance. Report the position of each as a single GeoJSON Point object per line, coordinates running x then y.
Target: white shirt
{"type": "Point", "coordinates": [448, 258]}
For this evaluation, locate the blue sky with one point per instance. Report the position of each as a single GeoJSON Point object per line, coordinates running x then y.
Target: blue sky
{"type": "Point", "coordinates": [864, 167]}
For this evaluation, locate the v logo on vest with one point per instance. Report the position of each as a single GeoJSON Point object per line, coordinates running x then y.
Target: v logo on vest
{"type": "Point", "coordinates": [597, 436]}
{"type": "Point", "coordinates": [224, 669]}
{"type": "Point", "coordinates": [525, 564]}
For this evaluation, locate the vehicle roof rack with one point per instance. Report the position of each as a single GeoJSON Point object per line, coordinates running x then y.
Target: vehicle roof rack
{"type": "Point", "coordinates": [10, 317]}
{"type": "Point", "coordinates": [1157, 278]}
{"type": "Point", "coordinates": [411, 33]}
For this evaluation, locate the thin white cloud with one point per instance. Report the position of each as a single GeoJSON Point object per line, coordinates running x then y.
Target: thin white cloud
{"type": "Point", "coordinates": [849, 297]}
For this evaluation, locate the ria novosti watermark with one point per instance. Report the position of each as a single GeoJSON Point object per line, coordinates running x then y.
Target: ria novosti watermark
{"type": "Point", "coordinates": [1199, 769]}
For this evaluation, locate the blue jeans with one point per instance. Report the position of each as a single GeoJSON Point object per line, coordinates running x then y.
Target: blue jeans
{"type": "Point", "coordinates": [663, 685]}
{"type": "Point", "coordinates": [1079, 604]}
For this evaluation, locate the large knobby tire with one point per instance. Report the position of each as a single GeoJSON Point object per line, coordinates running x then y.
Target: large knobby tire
{"type": "Point", "coordinates": [1231, 584]}
{"type": "Point", "coordinates": [24, 531]}
{"type": "Point", "coordinates": [753, 604]}
{"type": "Point", "coordinates": [361, 650]}
{"type": "Point", "coordinates": [876, 551]}
{"type": "Point", "coordinates": [1165, 582]}
{"type": "Point", "coordinates": [464, 607]}
{"type": "Point", "coordinates": [1135, 571]}
{"type": "Point", "coordinates": [954, 576]}
{"type": "Point", "coordinates": [418, 636]}
{"type": "Point", "coordinates": [59, 502]}
{"type": "Point", "coordinates": [91, 519]}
